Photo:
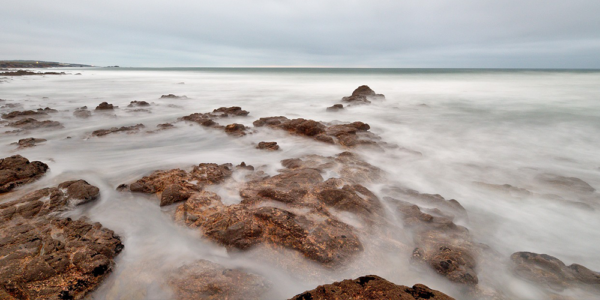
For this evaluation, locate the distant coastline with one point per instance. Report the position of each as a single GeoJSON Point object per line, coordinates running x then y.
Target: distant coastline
{"type": "Point", "coordinates": [37, 64]}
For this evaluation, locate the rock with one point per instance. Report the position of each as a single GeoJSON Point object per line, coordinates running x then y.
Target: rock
{"type": "Point", "coordinates": [230, 111]}
{"type": "Point", "coordinates": [127, 129]}
{"type": "Point", "coordinates": [17, 170]}
{"type": "Point", "coordinates": [138, 104]}
{"type": "Point", "coordinates": [172, 96]}
{"type": "Point", "coordinates": [47, 110]}
{"type": "Point", "coordinates": [165, 126]}
{"type": "Point", "coordinates": [82, 113]}
{"type": "Point", "coordinates": [370, 287]}
{"type": "Point", "coordinates": [206, 280]}
{"type": "Point", "coordinates": [105, 106]}
{"type": "Point", "coordinates": [28, 142]}
{"type": "Point", "coordinates": [566, 183]}
{"type": "Point", "coordinates": [30, 123]}
{"type": "Point", "coordinates": [552, 273]}
{"type": "Point", "coordinates": [272, 146]}
{"type": "Point", "coordinates": [335, 107]}
{"type": "Point", "coordinates": [28, 73]}
{"type": "Point", "coordinates": [25, 113]}
{"type": "Point", "coordinates": [44, 257]}
{"type": "Point", "coordinates": [363, 95]}
{"type": "Point", "coordinates": [235, 129]}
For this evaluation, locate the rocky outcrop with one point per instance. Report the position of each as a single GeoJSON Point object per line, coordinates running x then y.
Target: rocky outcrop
{"type": "Point", "coordinates": [172, 96]}
{"type": "Point", "coordinates": [45, 257]}
{"type": "Point", "coordinates": [233, 111]}
{"type": "Point", "coordinates": [335, 107]}
{"type": "Point", "coordinates": [25, 113]}
{"type": "Point", "coordinates": [363, 95]}
{"type": "Point", "coordinates": [371, 287]}
{"type": "Point", "coordinates": [235, 129]}
{"type": "Point", "coordinates": [347, 135]}
{"type": "Point", "coordinates": [17, 170]}
{"type": "Point", "coordinates": [127, 129]}
{"type": "Point", "coordinates": [28, 142]}
{"type": "Point", "coordinates": [105, 106]}
{"type": "Point", "coordinates": [207, 119]}
{"type": "Point", "coordinates": [271, 146]}
{"type": "Point", "coordinates": [206, 280]}
{"type": "Point", "coordinates": [31, 123]}
{"type": "Point", "coordinates": [552, 273]}
{"type": "Point", "coordinates": [136, 103]}
{"type": "Point", "coordinates": [82, 112]}
{"type": "Point", "coordinates": [28, 73]}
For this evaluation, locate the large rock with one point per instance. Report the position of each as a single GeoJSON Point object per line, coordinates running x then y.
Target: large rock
{"type": "Point", "coordinates": [17, 170]}
{"type": "Point", "coordinates": [206, 280]}
{"type": "Point", "coordinates": [363, 95]}
{"type": "Point", "coordinates": [45, 257]}
{"type": "Point", "coordinates": [371, 287]}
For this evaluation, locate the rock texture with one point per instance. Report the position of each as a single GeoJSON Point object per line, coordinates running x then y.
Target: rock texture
{"type": "Point", "coordinates": [31, 123]}
{"type": "Point", "coordinates": [127, 129]}
{"type": "Point", "coordinates": [136, 103]}
{"type": "Point", "coordinates": [25, 113]}
{"type": "Point", "coordinates": [45, 257]}
{"type": "Point", "coordinates": [105, 106]}
{"type": "Point", "coordinates": [206, 280]}
{"type": "Point", "coordinates": [28, 142]}
{"type": "Point", "coordinates": [552, 273]}
{"type": "Point", "coordinates": [207, 119]}
{"type": "Point", "coordinates": [371, 287]}
{"type": "Point", "coordinates": [363, 95]}
{"type": "Point", "coordinates": [271, 146]}
{"type": "Point", "coordinates": [172, 96]}
{"type": "Point", "coordinates": [17, 170]}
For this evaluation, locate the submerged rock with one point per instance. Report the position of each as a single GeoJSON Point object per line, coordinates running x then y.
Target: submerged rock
{"type": "Point", "coordinates": [206, 280]}
{"type": "Point", "coordinates": [45, 257]}
{"type": "Point", "coordinates": [17, 170]}
{"type": "Point", "coordinates": [127, 129]}
{"type": "Point", "coordinates": [370, 287]}
{"type": "Point", "coordinates": [136, 103]}
{"type": "Point", "coordinates": [335, 107]}
{"type": "Point", "coordinates": [28, 142]}
{"type": "Point", "coordinates": [25, 113]}
{"type": "Point", "coordinates": [82, 112]}
{"type": "Point", "coordinates": [572, 184]}
{"type": "Point", "coordinates": [30, 123]}
{"type": "Point", "coordinates": [105, 106]}
{"type": "Point", "coordinates": [230, 112]}
{"type": "Point", "coordinates": [172, 96]}
{"type": "Point", "coordinates": [363, 95]}
{"type": "Point", "coordinates": [272, 146]}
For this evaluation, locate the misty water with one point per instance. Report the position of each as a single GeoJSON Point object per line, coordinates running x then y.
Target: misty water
{"type": "Point", "coordinates": [472, 128]}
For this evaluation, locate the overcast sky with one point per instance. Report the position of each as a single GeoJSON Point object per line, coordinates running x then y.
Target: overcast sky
{"type": "Point", "coordinates": [420, 33]}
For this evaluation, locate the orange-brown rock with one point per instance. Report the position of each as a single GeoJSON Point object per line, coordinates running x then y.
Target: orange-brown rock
{"type": "Point", "coordinates": [363, 95]}
{"type": "Point", "coordinates": [235, 129]}
{"type": "Point", "coordinates": [17, 170]}
{"type": "Point", "coordinates": [271, 146]}
{"type": "Point", "coordinates": [234, 111]}
{"type": "Point", "coordinates": [371, 287]}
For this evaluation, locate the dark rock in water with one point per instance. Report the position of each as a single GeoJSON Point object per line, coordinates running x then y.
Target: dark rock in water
{"type": "Point", "coordinates": [17, 170]}
{"type": "Point", "coordinates": [172, 96]}
{"type": "Point", "coordinates": [29, 142]}
{"type": "Point", "coordinates": [206, 280]}
{"type": "Point", "coordinates": [44, 257]}
{"type": "Point", "coordinates": [105, 106]}
{"type": "Point", "coordinates": [82, 113]}
{"type": "Point", "coordinates": [235, 129]}
{"type": "Point", "coordinates": [272, 146]}
{"type": "Point", "coordinates": [25, 113]}
{"type": "Point", "coordinates": [127, 129]}
{"type": "Point", "coordinates": [138, 104]}
{"type": "Point", "coordinates": [371, 287]}
{"type": "Point", "coordinates": [335, 107]}
{"type": "Point", "coordinates": [566, 183]}
{"type": "Point", "coordinates": [30, 123]}
{"type": "Point", "coordinates": [244, 167]}
{"type": "Point", "coordinates": [347, 135]}
{"type": "Point", "coordinates": [363, 95]}
{"type": "Point", "coordinates": [27, 73]}
{"type": "Point", "coordinates": [47, 110]}
{"type": "Point", "coordinates": [552, 273]}
{"type": "Point", "coordinates": [230, 111]}
{"type": "Point", "coordinates": [165, 126]}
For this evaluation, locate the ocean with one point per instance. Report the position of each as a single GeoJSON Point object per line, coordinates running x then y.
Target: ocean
{"type": "Point", "coordinates": [486, 138]}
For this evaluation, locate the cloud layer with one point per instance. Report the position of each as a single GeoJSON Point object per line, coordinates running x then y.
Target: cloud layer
{"type": "Point", "coordinates": [351, 33]}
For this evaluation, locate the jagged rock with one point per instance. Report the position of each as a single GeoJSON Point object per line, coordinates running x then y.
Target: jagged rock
{"type": "Point", "coordinates": [551, 272]}
{"type": "Point", "coordinates": [25, 113]}
{"type": "Point", "coordinates": [44, 257]}
{"type": "Point", "coordinates": [272, 146]}
{"type": "Point", "coordinates": [128, 129]}
{"type": "Point", "coordinates": [105, 106]}
{"type": "Point", "coordinates": [370, 287]}
{"type": "Point", "coordinates": [136, 103]}
{"type": "Point", "coordinates": [82, 113]}
{"type": "Point", "coordinates": [172, 96]}
{"type": "Point", "coordinates": [335, 107]}
{"type": "Point", "coordinates": [206, 280]}
{"type": "Point", "coordinates": [30, 123]}
{"type": "Point", "coordinates": [28, 142]}
{"type": "Point", "coordinates": [348, 135]}
{"type": "Point", "coordinates": [17, 170]}
{"type": "Point", "coordinates": [362, 95]}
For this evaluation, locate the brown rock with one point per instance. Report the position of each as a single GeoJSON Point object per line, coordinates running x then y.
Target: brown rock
{"type": "Point", "coordinates": [105, 106]}
{"type": "Point", "coordinates": [370, 287]}
{"type": "Point", "coordinates": [17, 170]}
{"type": "Point", "coordinates": [363, 95]}
{"type": "Point", "coordinates": [573, 184]}
{"type": "Point", "coordinates": [30, 123]}
{"type": "Point", "coordinates": [82, 113]}
{"type": "Point", "coordinates": [136, 103]}
{"type": "Point", "coordinates": [26, 113]}
{"type": "Point", "coordinates": [172, 96]}
{"type": "Point", "coordinates": [335, 107]}
{"type": "Point", "coordinates": [235, 129]}
{"type": "Point", "coordinates": [28, 142]}
{"type": "Point", "coordinates": [272, 146]}
{"type": "Point", "coordinates": [230, 111]}
{"type": "Point", "coordinates": [127, 129]}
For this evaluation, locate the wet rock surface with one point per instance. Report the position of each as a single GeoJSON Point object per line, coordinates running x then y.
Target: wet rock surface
{"type": "Point", "coordinates": [25, 113]}
{"type": "Point", "coordinates": [570, 184]}
{"type": "Point", "coordinates": [172, 96]}
{"type": "Point", "coordinates": [46, 257]}
{"type": "Point", "coordinates": [363, 95]}
{"type": "Point", "coordinates": [335, 107]}
{"type": "Point", "coordinates": [370, 287]}
{"type": "Point", "coordinates": [127, 129]}
{"type": "Point", "coordinates": [271, 146]}
{"type": "Point", "coordinates": [235, 129]}
{"type": "Point", "coordinates": [552, 273]}
{"type": "Point", "coordinates": [17, 170]}
{"type": "Point", "coordinates": [31, 123]}
{"type": "Point", "coordinates": [136, 103]}
{"type": "Point", "coordinates": [105, 106]}
{"type": "Point", "coordinates": [206, 280]}
{"type": "Point", "coordinates": [28, 142]}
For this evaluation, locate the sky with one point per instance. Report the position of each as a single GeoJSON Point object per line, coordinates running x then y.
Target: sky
{"type": "Point", "coordinates": [326, 33]}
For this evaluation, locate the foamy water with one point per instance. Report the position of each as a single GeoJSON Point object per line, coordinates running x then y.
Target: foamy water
{"type": "Point", "coordinates": [471, 127]}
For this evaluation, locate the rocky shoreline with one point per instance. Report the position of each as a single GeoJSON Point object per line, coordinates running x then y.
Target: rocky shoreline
{"type": "Point", "coordinates": [317, 218]}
